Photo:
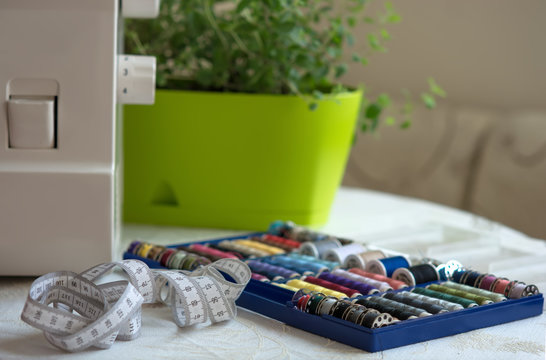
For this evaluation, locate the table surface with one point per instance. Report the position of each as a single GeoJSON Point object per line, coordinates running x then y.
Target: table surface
{"type": "Point", "coordinates": [407, 225]}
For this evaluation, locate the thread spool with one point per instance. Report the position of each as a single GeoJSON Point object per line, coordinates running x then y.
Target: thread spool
{"type": "Point", "coordinates": [431, 308]}
{"type": "Point", "coordinates": [440, 295]}
{"type": "Point", "coordinates": [329, 264]}
{"type": "Point", "coordinates": [340, 254]}
{"type": "Point", "coordinates": [280, 242]}
{"type": "Point", "coordinates": [395, 311]}
{"type": "Point", "coordinates": [332, 285]}
{"type": "Point", "coordinates": [359, 260]}
{"type": "Point", "coordinates": [418, 274]}
{"type": "Point", "coordinates": [238, 255]}
{"type": "Point", "coordinates": [395, 284]}
{"type": "Point", "coordinates": [481, 292]}
{"type": "Point", "coordinates": [272, 272]}
{"type": "Point", "coordinates": [269, 249]}
{"type": "Point", "coordinates": [382, 286]}
{"type": "Point", "coordinates": [363, 288]}
{"type": "Point", "coordinates": [319, 248]}
{"type": "Point", "coordinates": [386, 266]}
{"type": "Point", "coordinates": [449, 306]}
{"type": "Point", "coordinates": [305, 285]}
{"type": "Point", "coordinates": [259, 277]}
{"type": "Point", "coordinates": [310, 266]}
{"type": "Point", "coordinates": [399, 306]}
{"type": "Point", "coordinates": [243, 249]}
{"type": "Point", "coordinates": [487, 282]}
{"type": "Point", "coordinates": [327, 306]}
{"type": "Point", "coordinates": [207, 252]}
{"type": "Point", "coordinates": [294, 265]}
{"type": "Point", "coordinates": [481, 300]}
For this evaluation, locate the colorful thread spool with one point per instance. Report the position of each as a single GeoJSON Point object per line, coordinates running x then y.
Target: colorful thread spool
{"type": "Point", "coordinates": [510, 289]}
{"type": "Point", "coordinates": [449, 306]}
{"type": "Point", "coordinates": [332, 286]}
{"type": "Point", "coordinates": [270, 250]}
{"type": "Point", "coordinates": [238, 255]}
{"type": "Point", "coordinates": [259, 277]}
{"type": "Point", "coordinates": [340, 254]}
{"type": "Point", "coordinates": [305, 285]}
{"type": "Point", "coordinates": [364, 289]}
{"type": "Point", "coordinates": [302, 267]}
{"type": "Point", "coordinates": [418, 274]}
{"type": "Point", "coordinates": [431, 308]}
{"type": "Point", "coordinates": [440, 295]}
{"type": "Point", "coordinates": [386, 266]}
{"type": "Point", "coordinates": [280, 241]}
{"type": "Point", "coordinates": [481, 292]}
{"type": "Point", "coordinates": [272, 272]}
{"type": "Point", "coordinates": [359, 260]}
{"type": "Point", "coordinates": [481, 300]}
{"type": "Point", "coordinates": [395, 284]}
{"type": "Point", "coordinates": [245, 250]}
{"type": "Point", "coordinates": [382, 286]}
{"type": "Point", "coordinates": [329, 264]}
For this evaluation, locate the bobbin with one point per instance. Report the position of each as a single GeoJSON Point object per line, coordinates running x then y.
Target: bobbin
{"type": "Point", "coordinates": [319, 248]}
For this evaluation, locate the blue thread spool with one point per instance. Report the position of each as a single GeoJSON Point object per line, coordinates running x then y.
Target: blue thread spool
{"type": "Point", "coordinates": [387, 266]}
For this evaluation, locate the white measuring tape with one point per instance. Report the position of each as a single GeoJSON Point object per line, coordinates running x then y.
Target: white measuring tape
{"type": "Point", "coordinates": [84, 314]}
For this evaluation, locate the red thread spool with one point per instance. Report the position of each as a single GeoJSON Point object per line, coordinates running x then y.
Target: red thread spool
{"type": "Point", "coordinates": [165, 257]}
{"type": "Point", "coordinates": [396, 284]}
{"type": "Point", "coordinates": [277, 240]}
{"type": "Point", "coordinates": [332, 286]}
{"type": "Point", "coordinates": [302, 302]}
{"type": "Point", "coordinates": [213, 252]}
{"type": "Point", "coordinates": [501, 286]}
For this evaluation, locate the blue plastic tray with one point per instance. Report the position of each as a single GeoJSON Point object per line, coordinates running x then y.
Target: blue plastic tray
{"type": "Point", "coordinates": [274, 302]}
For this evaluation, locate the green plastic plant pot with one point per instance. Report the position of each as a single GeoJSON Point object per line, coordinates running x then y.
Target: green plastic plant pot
{"type": "Point", "coordinates": [236, 161]}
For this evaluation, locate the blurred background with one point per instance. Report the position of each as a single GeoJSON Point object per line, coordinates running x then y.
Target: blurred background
{"type": "Point", "coordinates": [484, 148]}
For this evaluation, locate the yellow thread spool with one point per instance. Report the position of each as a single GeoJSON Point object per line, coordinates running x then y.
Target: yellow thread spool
{"type": "Point", "coordinates": [300, 284]}
{"type": "Point", "coordinates": [144, 249]}
{"type": "Point", "coordinates": [271, 250]}
{"type": "Point", "coordinates": [294, 289]}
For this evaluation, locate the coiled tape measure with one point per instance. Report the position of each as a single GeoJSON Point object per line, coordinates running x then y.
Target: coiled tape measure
{"type": "Point", "coordinates": [85, 314]}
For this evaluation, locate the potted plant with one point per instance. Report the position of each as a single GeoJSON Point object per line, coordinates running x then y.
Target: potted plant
{"type": "Point", "coordinates": [250, 122]}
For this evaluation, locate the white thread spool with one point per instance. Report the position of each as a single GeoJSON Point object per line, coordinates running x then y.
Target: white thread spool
{"type": "Point", "coordinates": [359, 260]}
{"type": "Point", "coordinates": [340, 254]}
{"type": "Point", "coordinates": [319, 248]}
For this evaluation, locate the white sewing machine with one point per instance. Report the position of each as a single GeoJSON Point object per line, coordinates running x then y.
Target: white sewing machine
{"type": "Point", "coordinates": [61, 78]}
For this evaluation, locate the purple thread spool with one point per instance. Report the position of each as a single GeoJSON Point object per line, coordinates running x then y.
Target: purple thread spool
{"type": "Point", "coordinates": [271, 271]}
{"type": "Point", "coordinates": [363, 288]}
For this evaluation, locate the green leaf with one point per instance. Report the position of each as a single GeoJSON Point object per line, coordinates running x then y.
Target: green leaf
{"type": "Point", "coordinates": [428, 100]}
{"type": "Point", "coordinates": [369, 20]}
{"type": "Point", "coordinates": [355, 57]}
{"type": "Point", "coordinates": [435, 89]}
{"type": "Point", "coordinates": [374, 43]}
{"type": "Point", "coordinates": [390, 120]}
{"type": "Point", "coordinates": [340, 70]}
{"type": "Point", "coordinates": [313, 106]}
{"type": "Point", "coordinates": [373, 111]}
{"type": "Point", "coordinates": [394, 18]}
{"type": "Point", "coordinates": [351, 21]}
{"type": "Point", "coordinates": [406, 124]}
{"type": "Point", "coordinates": [385, 34]}
{"type": "Point", "coordinates": [383, 100]}
{"type": "Point", "coordinates": [318, 95]}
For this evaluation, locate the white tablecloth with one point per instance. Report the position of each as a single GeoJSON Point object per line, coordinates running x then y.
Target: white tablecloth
{"type": "Point", "coordinates": [402, 224]}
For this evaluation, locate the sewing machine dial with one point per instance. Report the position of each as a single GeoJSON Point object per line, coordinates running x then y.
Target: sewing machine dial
{"type": "Point", "coordinates": [136, 79]}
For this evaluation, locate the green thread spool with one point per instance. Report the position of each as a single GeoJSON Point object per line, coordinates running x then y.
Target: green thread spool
{"type": "Point", "coordinates": [481, 292]}
{"type": "Point", "coordinates": [440, 295]}
{"type": "Point", "coordinates": [482, 300]}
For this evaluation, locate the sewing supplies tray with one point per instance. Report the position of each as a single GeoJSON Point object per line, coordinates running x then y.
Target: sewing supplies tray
{"type": "Point", "coordinates": [276, 302]}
